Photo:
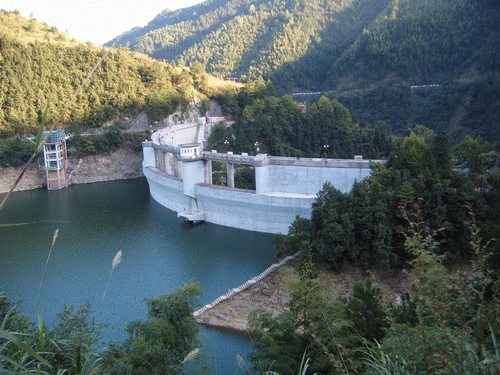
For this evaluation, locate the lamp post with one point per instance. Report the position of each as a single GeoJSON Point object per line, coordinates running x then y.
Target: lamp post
{"type": "Point", "coordinates": [326, 151]}
{"type": "Point", "coordinates": [257, 149]}
{"type": "Point", "coordinates": [226, 142]}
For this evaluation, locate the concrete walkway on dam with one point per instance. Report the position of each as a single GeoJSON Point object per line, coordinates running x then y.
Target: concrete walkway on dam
{"type": "Point", "coordinates": [179, 134]}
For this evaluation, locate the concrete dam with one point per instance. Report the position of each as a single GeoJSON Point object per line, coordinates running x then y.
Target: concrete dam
{"type": "Point", "coordinates": [180, 179]}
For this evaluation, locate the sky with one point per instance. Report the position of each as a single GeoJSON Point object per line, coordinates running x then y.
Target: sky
{"type": "Point", "coordinates": [97, 21]}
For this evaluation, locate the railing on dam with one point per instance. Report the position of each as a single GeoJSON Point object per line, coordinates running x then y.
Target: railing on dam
{"type": "Point", "coordinates": [264, 159]}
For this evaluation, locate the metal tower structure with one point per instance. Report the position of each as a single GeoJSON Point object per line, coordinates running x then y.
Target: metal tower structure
{"type": "Point", "coordinates": [55, 160]}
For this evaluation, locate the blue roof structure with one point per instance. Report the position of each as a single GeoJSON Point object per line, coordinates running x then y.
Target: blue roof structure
{"type": "Point", "coordinates": [55, 136]}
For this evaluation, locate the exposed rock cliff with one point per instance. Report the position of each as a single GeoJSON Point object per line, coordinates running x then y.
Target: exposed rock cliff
{"type": "Point", "coordinates": [122, 164]}
{"type": "Point", "coordinates": [34, 178]}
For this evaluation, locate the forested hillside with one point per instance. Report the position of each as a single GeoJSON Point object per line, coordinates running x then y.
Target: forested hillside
{"type": "Point", "coordinates": [367, 53]}
{"type": "Point", "coordinates": [281, 127]}
{"type": "Point", "coordinates": [41, 66]}
{"type": "Point", "coordinates": [348, 41]}
{"type": "Point", "coordinates": [257, 38]}
{"type": "Point", "coordinates": [39, 71]}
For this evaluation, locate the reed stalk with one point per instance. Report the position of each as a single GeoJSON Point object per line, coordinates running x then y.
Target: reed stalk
{"type": "Point", "coordinates": [54, 238]}
{"type": "Point", "coordinates": [116, 260]}
{"type": "Point", "coordinates": [242, 364]}
{"type": "Point", "coordinates": [193, 353]}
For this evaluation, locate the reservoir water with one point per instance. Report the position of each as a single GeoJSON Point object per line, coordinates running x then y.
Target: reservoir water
{"type": "Point", "coordinates": [160, 253]}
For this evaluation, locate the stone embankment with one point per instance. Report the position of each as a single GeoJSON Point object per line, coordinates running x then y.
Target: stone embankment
{"type": "Point", "coordinates": [122, 164]}
{"type": "Point", "coordinates": [34, 178]}
{"type": "Point", "coordinates": [272, 294]}
{"type": "Point", "coordinates": [261, 292]}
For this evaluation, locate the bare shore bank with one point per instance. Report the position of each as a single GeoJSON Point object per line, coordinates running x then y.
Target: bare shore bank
{"type": "Point", "coordinates": [119, 165]}
{"type": "Point", "coordinates": [272, 294]}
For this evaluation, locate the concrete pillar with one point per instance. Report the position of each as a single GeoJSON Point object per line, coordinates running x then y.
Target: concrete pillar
{"type": "Point", "coordinates": [180, 169]}
{"type": "Point", "coordinates": [161, 160]}
{"type": "Point", "coordinates": [168, 157]}
{"type": "Point", "coordinates": [175, 166]}
{"type": "Point", "coordinates": [208, 172]}
{"type": "Point", "coordinates": [148, 153]}
{"type": "Point", "coordinates": [230, 174]}
{"type": "Point", "coordinates": [194, 173]}
{"type": "Point", "coordinates": [261, 179]}
{"type": "Point", "coordinates": [171, 158]}
{"type": "Point", "coordinates": [157, 158]}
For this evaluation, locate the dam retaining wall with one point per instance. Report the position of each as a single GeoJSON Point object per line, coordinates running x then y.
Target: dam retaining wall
{"type": "Point", "coordinates": [236, 208]}
{"type": "Point", "coordinates": [245, 209]}
{"type": "Point", "coordinates": [285, 187]}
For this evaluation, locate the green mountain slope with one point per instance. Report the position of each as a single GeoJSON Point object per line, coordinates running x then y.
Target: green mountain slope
{"type": "Point", "coordinates": [423, 41]}
{"type": "Point", "coordinates": [374, 56]}
{"type": "Point", "coordinates": [256, 38]}
{"type": "Point", "coordinates": [323, 44]}
{"type": "Point", "coordinates": [41, 66]}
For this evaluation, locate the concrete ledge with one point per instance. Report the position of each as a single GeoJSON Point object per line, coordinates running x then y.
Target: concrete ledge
{"type": "Point", "coordinates": [220, 187]}
{"type": "Point", "coordinates": [261, 160]}
{"type": "Point", "coordinates": [163, 174]}
{"type": "Point", "coordinates": [194, 217]}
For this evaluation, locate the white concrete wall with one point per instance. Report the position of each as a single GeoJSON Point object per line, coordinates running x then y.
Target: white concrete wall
{"type": "Point", "coordinates": [282, 191]}
{"type": "Point", "coordinates": [148, 153]}
{"type": "Point", "coordinates": [230, 207]}
{"type": "Point", "coordinates": [177, 134]}
{"type": "Point", "coordinates": [193, 173]}
{"type": "Point", "coordinates": [167, 190]}
{"type": "Point", "coordinates": [310, 180]}
{"type": "Point", "coordinates": [246, 210]}
{"type": "Point", "coordinates": [261, 179]}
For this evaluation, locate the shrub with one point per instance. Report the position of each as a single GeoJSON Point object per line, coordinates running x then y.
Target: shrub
{"type": "Point", "coordinates": [15, 152]}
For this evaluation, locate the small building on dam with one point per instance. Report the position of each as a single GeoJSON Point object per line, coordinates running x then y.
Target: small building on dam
{"type": "Point", "coordinates": [180, 179]}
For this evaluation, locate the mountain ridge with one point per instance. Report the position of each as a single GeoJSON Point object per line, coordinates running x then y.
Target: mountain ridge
{"type": "Point", "coordinates": [42, 68]}
{"type": "Point", "coordinates": [323, 43]}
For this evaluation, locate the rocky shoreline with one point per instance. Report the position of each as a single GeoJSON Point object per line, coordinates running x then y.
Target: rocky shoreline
{"type": "Point", "coordinates": [119, 165]}
{"type": "Point", "coordinates": [272, 294]}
